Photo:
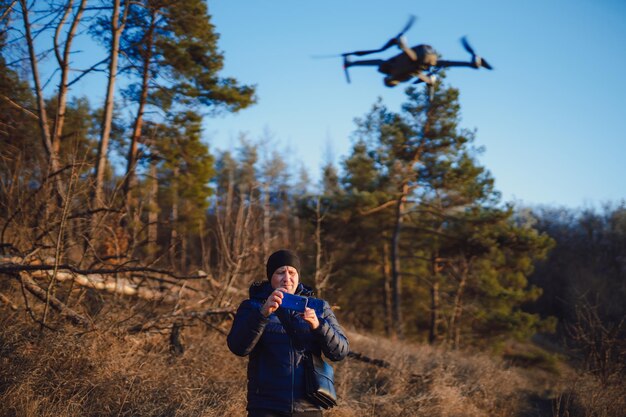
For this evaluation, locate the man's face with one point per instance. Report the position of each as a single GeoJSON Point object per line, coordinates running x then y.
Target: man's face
{"type": "Point", "coordinates": [286, 277]}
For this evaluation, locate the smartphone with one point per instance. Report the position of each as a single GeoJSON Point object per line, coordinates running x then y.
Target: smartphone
{"type": "Point", "coordinates": [294, 302]}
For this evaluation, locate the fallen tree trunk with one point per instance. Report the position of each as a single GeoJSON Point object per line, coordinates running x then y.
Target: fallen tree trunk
{"type": "Point", "coordinates": [107, 280]}
{"type": "Point", "coordinates": [54, 302]}
{"type": "Point", "coordinates": [121, 286]}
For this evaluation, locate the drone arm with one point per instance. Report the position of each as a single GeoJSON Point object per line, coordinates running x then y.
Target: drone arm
{"type": "Point", "coordinates": [398, 40]}
{"type": "Point", "coordinates": [388, 45]}
{"type": "Point", "coordinates": [445, 63]}
{"type": "Point", "coordinates": [477, 62]}
{"type": "Point", "coordinates": [364, 63]}
{"type": "Point", "coordinates": [347, 63]}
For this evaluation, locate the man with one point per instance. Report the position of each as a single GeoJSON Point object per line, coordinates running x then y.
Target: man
{"type": "Point", "coordinates": [276, 378]}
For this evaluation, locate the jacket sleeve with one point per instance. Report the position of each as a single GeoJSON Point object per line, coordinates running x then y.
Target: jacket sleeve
{"type": "Point", "coordinates": [247, 329]}
{"type": "Point", "coordinates": [331, 336]}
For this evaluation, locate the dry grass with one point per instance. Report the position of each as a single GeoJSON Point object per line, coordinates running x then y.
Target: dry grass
{"type": "Point", "coordinates": [109, 372]}
{"type": "Point", "coordinates": [423, 381]}
{"type": "Point", "coordinates": [588, 396]}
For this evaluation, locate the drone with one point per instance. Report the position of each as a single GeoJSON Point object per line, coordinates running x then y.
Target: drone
{"type": "Point", "coordinates": [420, 62]}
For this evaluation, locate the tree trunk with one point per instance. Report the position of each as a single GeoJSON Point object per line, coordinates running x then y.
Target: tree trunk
{"type": "Point", "coordinates": [174, 222]}
{"type": "Point", "coordinates": [230, 201]}
{"type": "Point", "coordinates": [266, 220]}
{"type": "Point", "coordinates": [153, 215]}
{"type": "Point", "coordinates": [117, 27]}
{"type": "Point", "coordinates": [287, 227]}
{"type": "Point", "coordinates": [183, 253]}
{"type": "Point", "coordinates": [319, 276]}
{"type": "Point", "coordinates": [396, 278]}
{"type": "Point", "coordinates": [453, 328]}
{"type": "Point", "coordinates": [44, 126]}
{"type": "Point", "coordinates": [433, 331]}
{"type": "Point", "coordinates": [387, 289]}
{"type": "Point", "coordinates": [223, 226]}
{"type": "Point", "coordinates": [131, 163]}
{"type": "Point", "coordinates": [64, 65]}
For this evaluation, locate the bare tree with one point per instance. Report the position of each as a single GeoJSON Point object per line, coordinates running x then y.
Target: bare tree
{"type": "Point", "coordinates": [322, 269]}
{"type": "Point", "coordinates": [42, 115]}
{"type": "Point", "coordinates": [600, 342]}
{"type": "Point", "coordinates": [63, 59]}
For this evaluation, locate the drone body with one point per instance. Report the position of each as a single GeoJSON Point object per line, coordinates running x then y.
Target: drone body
{"type": "Point", "coordinates": [402, 67]}
{"type": "Point", "coordinates": [421, 61]}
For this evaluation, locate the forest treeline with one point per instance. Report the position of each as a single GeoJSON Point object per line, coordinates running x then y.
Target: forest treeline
{"type": "Point", "coordinates": [407, 236]}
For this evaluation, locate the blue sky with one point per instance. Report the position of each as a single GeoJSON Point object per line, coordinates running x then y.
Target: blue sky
{"type": "Point", "coordinates": [550, 116]}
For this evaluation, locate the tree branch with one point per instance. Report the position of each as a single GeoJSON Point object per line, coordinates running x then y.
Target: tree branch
{"type": "Point", "coordinates": [55, 303]}
{"type": "Point", "coordinates": [6, 300]}
{"type": "Point", "coordinates": [19, 107]}
{"type": "Point", "coordinates": [377, 209]}
{"type": "Point", "coordinates": [8, 10]}
{"type": "Point", "coordinates": [87, 71]}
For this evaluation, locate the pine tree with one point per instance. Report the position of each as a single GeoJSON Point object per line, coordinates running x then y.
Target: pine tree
{"type": "Point", "coordinates": [424, 222]}
{"type": "Point", "coordinates": [171, 47]}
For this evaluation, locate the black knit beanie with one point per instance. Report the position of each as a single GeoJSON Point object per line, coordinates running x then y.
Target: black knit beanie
{"type": "Point", "coordinates": [281, 258]}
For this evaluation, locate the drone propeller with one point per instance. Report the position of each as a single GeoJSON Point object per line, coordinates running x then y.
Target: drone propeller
{"type": "Point", "coordinates": [326, 56]}
{"type": "Point", "coordinates": [467, 46]}
{"type": "Point", "coordinates": [401, 40]}
{"type": "Point", "coordinates": [398, 40]}
{"type": "Point", "coordinates": [346, 64]}
{"type": "Point", "coordinates": [406, 27]}
{"type": "Point", "coordinates": [478, 61]}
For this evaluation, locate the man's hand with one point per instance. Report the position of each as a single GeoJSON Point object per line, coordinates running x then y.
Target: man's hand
{"type": "Point", "coordinates": [310, 317]}
{"type": "Point", "coordinates": [273, 302]}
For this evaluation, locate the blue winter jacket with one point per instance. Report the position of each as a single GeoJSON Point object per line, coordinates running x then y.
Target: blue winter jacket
{"type": "Point", "coordinates": [276, 368]}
